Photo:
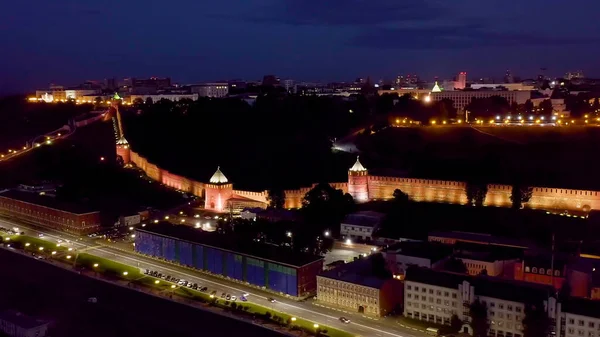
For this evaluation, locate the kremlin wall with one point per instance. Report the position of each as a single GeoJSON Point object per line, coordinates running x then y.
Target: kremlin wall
{"type": "Point", "coordinates": [221, 197]}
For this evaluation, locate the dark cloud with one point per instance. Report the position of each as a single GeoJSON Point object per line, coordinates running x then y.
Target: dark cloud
{"type": "Point", "coordinates": [341, 12]}
{"type": "Point", "coordinates": [457, 37]}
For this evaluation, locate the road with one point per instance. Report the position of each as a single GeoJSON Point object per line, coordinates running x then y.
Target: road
{"type": "Point", "coordinates": [360, 325]}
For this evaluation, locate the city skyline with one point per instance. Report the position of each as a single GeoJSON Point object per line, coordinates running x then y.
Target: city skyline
{"type": "Point", "coordinates": [66, 41]}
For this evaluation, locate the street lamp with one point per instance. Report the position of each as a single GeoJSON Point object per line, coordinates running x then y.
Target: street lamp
{"type": "Point", "coordinates": [41, 248]}
{"type": "Point", "coordinates": [289, 234]}
{"type": "Point", "coordinates": [156, 282]}
{"type": "Point", "coordinates": [27, 244]}
{"type": "Point", "coordinates": [95, 265]}
{"type": "Point", "coordinates": [125, 273]}
{"type": "Point", "coordinates": [326, 234]}
{"type": "Point", "coordinates": [316, 326]}
{"type": "Point", "coordinates": [293, 319]}
{"type": "Point", "coordinates": [348, 241]}
{"type": "Point", "coordinates": [54, 252]}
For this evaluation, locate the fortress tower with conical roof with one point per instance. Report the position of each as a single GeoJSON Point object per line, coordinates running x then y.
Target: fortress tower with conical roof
{"type": "Point", "coordinates": [217, 192]}
{"type": "Point", "coordinates": [358, 182]}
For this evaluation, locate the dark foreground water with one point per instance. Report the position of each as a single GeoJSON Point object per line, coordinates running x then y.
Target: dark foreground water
{"type": "Point", "coordinates": [50, 292]}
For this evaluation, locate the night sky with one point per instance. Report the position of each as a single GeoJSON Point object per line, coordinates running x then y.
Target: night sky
{"type": "Point", "coordinates": [68, 41]}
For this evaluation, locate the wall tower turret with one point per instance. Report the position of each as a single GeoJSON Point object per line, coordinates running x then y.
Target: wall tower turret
{"type": "Point", "coordinates": [358, 184]}
{"type": "Point", "coordinates": [217, 192]}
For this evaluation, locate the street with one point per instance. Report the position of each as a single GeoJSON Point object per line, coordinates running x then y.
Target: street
{"type": "Point", "coordinates": [360, 325]}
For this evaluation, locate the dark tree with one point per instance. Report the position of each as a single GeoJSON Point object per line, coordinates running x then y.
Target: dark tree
{"type": "Point", "coordinates": [476, 193]}
{"type": "Point", "coordinates": [149, 101]}
{"type": "Point", "coordinates": [138, 102]}
{"type": "Point", "coordinates": [98, 100]}
{"type": "Point", "coordinates": [479, 319]}
{"type": "Point", "coordinates": [455, 323]}
{"type": "Point", "coordinates": [514, 108]}
{"type": "Point", "coordinates": [400, 197]}
{"type": "Point", "coordinates": [520, 195]}
{"type": "Point", "coordinates": [455, 265]}
{"type": "Point", "coordinates": [276, 198]}
{"type": "Point", "coordinates": [528, 106]}
{"type": "Point", "coordinates": [546, 107]}
{"type": "Point", "coordinates": [536, 322]}
{"type": "Point", "coordinates": [325, 205]}
{"type": "Point", "coordinates": [484, 272]}
{"type": "Point", "coordinates": [596, 106]}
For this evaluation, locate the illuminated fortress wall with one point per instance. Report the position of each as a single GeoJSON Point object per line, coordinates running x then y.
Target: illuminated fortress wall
{"type": "Point", "coordinates": [256, 196]}
{"type": "Point", "coordinates": [382, 188]}
{"type": "Point", "coordinates": [364, 187]}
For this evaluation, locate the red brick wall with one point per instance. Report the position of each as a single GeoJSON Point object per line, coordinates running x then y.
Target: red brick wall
{"type": "Point", "coordinates": [307, 277]}
{"type": "Point", "coordinates": [53, 218]}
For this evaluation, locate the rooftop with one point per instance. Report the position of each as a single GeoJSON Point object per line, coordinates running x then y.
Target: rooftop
{"type": "Point", "coordinates": [359, 272]}
{"type": "Point", "coordinates": [20, 320]}
{"type": "Point", "coordinates": [218, 177]}
{"type": "Point", "coordinates": [364, 219]}
{"type": "Point", "coordinates": [516, 291]}
{"type": "Point", "coordinates": [357, 167]}
{"type": "Point", "coordinates": [481, 238]}
{"type": "Point", "coordinates": [427, 250]}
{"type": "Point", "coordinates": [582, 306]}
{"type": "Point", "coordinates": [232, 243]}
{"type": "Point", "coordinates": [47, 201]}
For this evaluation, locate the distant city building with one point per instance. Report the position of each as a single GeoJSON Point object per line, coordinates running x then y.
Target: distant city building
{"type": "Point", "coordinates": [157, 97]}
{"type": "Point", "coordinates": [461, 81]}
{"type": "Point", "coordinates": [508, 77]}
{"type": "Point", "coordinates": [289, 86]}
{"type": "Point", "coordinates": [571, 75]}
{"type": "Point", "coordinates": [45, 210]}
{"type": "Point", "coordinates": [270, 80]}
{"type": "Point", "coordinates": [216, 90]}
{"type": "Point", "coordinates": [361, 225]}
{"type": "Point", "coordinates": [149, 85]}
{"type": "Point", "coordinates": [14, 323]}
{"type": "Point", "coordinates": [356, 286]}
{"type": "Point", "coordinates": [478, 262]}
{"type": "Point", "coordinates": [60, 94]}
{"type": "Point", "coordinates": [507, 86]}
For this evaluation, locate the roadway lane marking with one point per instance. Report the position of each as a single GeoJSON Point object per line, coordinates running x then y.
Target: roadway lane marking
{"type": "Point", "coordinates": [118, 253]}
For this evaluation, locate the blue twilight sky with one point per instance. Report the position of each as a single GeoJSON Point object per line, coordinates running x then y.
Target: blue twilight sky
{"type": "Point", "coordinates": [68, 41]}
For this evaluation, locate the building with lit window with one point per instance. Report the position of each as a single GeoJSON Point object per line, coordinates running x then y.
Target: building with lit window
{"type": "Point", "coordinates": [361, 225]}
{"type": "Point", "coordinates": [157, 97]}
{"type": "Point", "coordinates": [46, 211]}
{"type": "Point", "coordinates": [14, 323]}
{"type": "Point", "coordinates": [216, 90]}
{"type": "Point", "coordinates": [435, 297]}
{"type": "Point", "coordinates": [579, 318]}
{"type": "Point", "coordinates": [354, 286]}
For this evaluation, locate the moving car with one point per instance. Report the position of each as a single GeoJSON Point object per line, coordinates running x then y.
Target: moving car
{"type": "Point", "coordinates": [271, 299]}
{"type": "Point", "coordinates": [344, 320]}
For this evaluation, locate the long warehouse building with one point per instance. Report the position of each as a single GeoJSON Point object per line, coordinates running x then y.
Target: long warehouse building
{"type": "Point", "coordinates": [272, 267]}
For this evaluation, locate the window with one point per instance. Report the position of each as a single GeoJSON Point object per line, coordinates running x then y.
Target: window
{"type": "Point", "coordinates": [591, 324]}
{"type": "Point", "coordinates": [446, 294]}
{"type": "Point", "coordinates": [591, 334]}
{"type": "Point", "coordinates": [492, 304]}
{"type": "Point", "coordinates": [416, 288]}
{"type": "Point", "coordinates": [549, 272]}
{"type": "Point", "coordinates": [542, 271]}
{"type": "Point", "coordinates": [408, 287]}
{"type": "Point", "coordinates": [453, 295]}
{"type": "Point", "coordinates": [556, 273]}
{"type": "Point", "coordinates": [534, 270]}
{"type": "Point", "coordinates": [571, 330]}
{"type": "Point", "coordinates": [409, 295]}
{"type": "Point", "coordinates": [438, 301]}
{"type": "Point", "coordinates": [509, 307]}
{"type": "Point", "coordinates": [518, 309]}
{"type": "Point", "coordinates": [501, 306]}
{"type": "Point", "coordinates": [571, 321]}
{"type": "Point", "coordinates": [423, 298]}
{"type": "Point", "coordinates": [424, 290]}
{"type": "Point", "coordinates": [431, 291]}
{"type": "Point", "coordinates": [439, 293]}
{"type": "Point", "coordinates": [580, 322]}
